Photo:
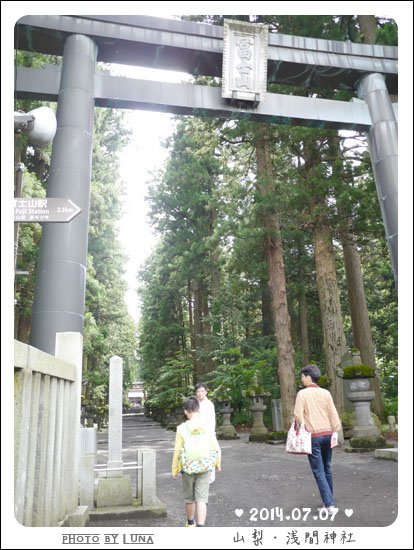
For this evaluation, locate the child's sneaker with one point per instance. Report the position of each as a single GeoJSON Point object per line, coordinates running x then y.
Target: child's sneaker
{"type": "Point", "coordinates": [190, 524]}
{"type": "Point", "coordinates": [332, 510]}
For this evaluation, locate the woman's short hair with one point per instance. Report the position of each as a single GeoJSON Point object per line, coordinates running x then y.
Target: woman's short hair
{"type": "Point", "coordinates": [312, 371]}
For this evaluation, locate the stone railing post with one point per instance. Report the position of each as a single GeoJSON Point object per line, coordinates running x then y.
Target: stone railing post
{"type": "Point", "coordinates": [69, 347]}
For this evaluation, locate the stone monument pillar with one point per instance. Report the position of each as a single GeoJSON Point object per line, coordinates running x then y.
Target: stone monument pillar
{"type": "Point", "coordinates": [115, 489]}
{"type": "Point", "coordinates": [277, 418]}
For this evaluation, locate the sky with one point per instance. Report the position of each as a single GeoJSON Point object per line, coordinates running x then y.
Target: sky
{"type": "Point", "coordinates": [144, 155]}
{"type": "Point", "coordinates": [149, 130]}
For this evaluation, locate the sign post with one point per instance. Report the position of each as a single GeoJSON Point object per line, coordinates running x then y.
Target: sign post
{"type": "Point", "coordinates": [41, 210]}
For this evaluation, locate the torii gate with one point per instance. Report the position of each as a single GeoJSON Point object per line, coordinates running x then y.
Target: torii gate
{"type": "Point", "coordinates": [238, 53]}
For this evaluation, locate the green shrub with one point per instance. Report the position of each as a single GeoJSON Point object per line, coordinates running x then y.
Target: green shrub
{"type": "Point", "coordinates": [324, 381]}
{"type": "Point", "coordinates": [241, 418]}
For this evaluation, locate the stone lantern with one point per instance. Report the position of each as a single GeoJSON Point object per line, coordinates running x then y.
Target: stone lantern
{"type": "Point", "coordinates": [361, 396]}
{"type": "Point", "coordinates": [257, 408]}
{"type": "Point", "coordinates": [365, 434]}
{"type": "Point", "coordinates": [226, 430]}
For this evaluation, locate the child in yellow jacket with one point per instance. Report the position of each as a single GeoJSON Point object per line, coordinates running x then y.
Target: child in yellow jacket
{"type": "Point", "coordinates": [195, 485]}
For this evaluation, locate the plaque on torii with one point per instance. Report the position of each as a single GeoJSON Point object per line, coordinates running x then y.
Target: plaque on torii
{"type": "Point", "coordinates": [244, 62]}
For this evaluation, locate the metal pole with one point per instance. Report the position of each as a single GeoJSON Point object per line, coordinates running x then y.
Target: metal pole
{"type": "Point", "coordinates": [383, 145]}
{"type": "Point", "coordinates": [61, 276]}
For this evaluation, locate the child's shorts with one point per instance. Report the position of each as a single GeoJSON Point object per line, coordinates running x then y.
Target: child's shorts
{"type": "Point", "coordinates": [196, 487]}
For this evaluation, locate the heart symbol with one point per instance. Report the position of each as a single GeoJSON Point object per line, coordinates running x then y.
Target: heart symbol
{"type": "Point", "coordinates": [239, 512]}
{"type": "Point", "coordinates": [349, 512]}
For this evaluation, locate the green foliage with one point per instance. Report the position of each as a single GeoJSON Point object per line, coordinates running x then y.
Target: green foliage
{"type": "Point", "coordinates": [241, 418]}
{"type": "Point", "coordinates": [383, 310]}
{"type": "Point", "coordinates": [108, 329]}
{"type": "Point", "coordinates": [161, 332]}
{"type": "Point", "coordinates": [391, 406]}
{"type": "Point", "coordinates": [95, 399]}
{"type": "Point", "coordinates": [388, 376]}
{"type": "Point", "coordinates": [325, 381]}
{"type": "Point", "coordinates": [358, 371]}
{"type": "Point", "coordinates": [28, 243]}
{"type": "Point", "coordinates": [387, 33]}
{"type": "Point", "coordinates": [209, 212]}
{"type": "Point", "coordinates": [35, 60]}
{"type": "Point", "coordinates": [237, 375]}
{"type": "Point", "coordinates": [172, 385]}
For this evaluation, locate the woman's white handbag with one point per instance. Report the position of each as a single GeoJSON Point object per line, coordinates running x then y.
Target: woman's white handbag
{"type": "Point", "coordinates": [299, 440]}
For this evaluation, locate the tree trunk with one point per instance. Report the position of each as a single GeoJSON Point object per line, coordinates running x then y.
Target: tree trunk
{"type": "Point", "coordinates": [215, 276]}
{"type": "Point", "coordinates": [368, 28]}
{"type": "Point", "coordinates": [268, 322]}
{"type": "Point", "coordinates": [205, 313]}
{"type": "Point", "coordinates": [183, 343]}
{"type": "Point", "coordinates": [191, 328]}
{"type": "Point", "coordinates": [198, 330]}
{"type": "Point", "coordinates": [294, 329]}
{"type": "Point", "coordinates": [361, 327]}
{"type": "Point", "coordinates": [277, 280]}
{"type": "Point", "coordinates": [16, 322]}
{"type": "Point", "coordinates": [24, 328]}
{"type": "Point", "coordinates": [207, 333]}
{"type": "Point", "coordinates": [332, 323]}
{"type": "Point", "coordinates": [199, 327]}
{"type": "Point", "coordinates": [303, 324]}
{"type": "Point", "coordinates": [303, 308]}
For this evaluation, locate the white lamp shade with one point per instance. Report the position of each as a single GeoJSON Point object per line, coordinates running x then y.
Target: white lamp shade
{"type": "Point", "coordinates": [44, 125]}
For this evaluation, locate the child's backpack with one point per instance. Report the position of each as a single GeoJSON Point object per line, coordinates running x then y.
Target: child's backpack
{"type": "Point", "coordinates": [197, 455]}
